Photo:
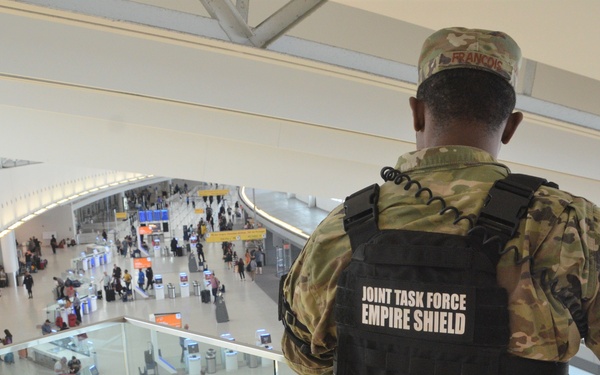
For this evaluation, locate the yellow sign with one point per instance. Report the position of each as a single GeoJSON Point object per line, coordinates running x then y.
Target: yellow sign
{"type": "Point", "coordinates": [121, 215]}
{"type": "Point", "coordinates": [206, 193]}
{"type": "Point", "coordinates": [237, 235]}
{"type": "Point", "coordinates": [199, 211]}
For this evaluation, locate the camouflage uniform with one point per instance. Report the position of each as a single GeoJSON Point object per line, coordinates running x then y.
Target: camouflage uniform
{"type": "Point", "coordinates": [560, 233]}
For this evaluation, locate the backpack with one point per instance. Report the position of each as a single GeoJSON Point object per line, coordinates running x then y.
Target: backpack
{"type": "Point", "coordinates": [429, 303]}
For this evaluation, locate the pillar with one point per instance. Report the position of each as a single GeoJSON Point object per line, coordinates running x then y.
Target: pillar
{"type": "Point", "coordinates": [312, 201]}
{"type": "Point", "coordinates": [9, 257]}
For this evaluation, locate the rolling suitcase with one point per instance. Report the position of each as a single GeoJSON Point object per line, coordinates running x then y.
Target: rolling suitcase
{"type": "Point", "coordinates": [221, 310]}
{"type": "Point", "coordinates": [72, 320]}
{"type": "Point", "coordinates": [205, 296]}
{"type": "Point", "coordinates": [110, 295]}
{"type": "Point", "coordinates": [99, 294]}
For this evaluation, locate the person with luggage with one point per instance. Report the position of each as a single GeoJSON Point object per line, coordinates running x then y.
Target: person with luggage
{"type": "Point", "coordinates": [28, 282]}
{"type": "Point", "coordinates": [60, 287]}
{"type": "Point", "coordinates": [127, 279]}
{"type": "Point", "coordinates": [214, 285]}
{"type": "Point", "coordinates": [546, 274]}
{"type": "Point", "coordinates": [7, 340]}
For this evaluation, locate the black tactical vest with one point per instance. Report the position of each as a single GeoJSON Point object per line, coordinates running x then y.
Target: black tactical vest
{"type": "Point", "coordinates": [422, 303]}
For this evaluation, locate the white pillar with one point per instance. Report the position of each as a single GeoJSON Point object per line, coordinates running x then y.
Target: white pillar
{"type": "Point", "coordinates": [312, 201]}
{"type": "Point", "coordinates": [9, 257]}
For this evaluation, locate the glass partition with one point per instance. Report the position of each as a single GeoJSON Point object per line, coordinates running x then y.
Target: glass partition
{"type": "Point", "coordinates": [133, 346]}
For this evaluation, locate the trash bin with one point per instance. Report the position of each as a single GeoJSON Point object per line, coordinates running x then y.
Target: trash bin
{"type": "Point", "coordinates": [196, 286]}
{"type": "Point", "coordinates": [253, 361]}
{"type": "Point", "coordinates": [85, 307]}
{"type": "Point", "coordinates": [231, 361]}
{"type": "Point", "coordinates": [171, 290]}
{"type": "Point", "coordinates": [211, 361]}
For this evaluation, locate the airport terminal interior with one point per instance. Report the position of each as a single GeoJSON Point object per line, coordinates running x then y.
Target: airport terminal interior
{"type": "Point", "coordinates": [290, 105]}
{"type": "Point", "coordinates": [251, 305]}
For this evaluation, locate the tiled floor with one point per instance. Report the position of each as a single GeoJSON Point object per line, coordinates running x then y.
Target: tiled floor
{"type": "Point", "coordinates": [249, 307]}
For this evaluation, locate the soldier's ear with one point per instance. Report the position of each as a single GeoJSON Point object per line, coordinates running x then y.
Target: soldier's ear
{"type": "Point", "coordinates": [418, 111]}
{"type": "Point", "coordinates": [511, 126]}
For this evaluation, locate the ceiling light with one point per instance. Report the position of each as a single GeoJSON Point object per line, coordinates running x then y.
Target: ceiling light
{"type": "Point", "coordinates": [28, 217]}
{"type": "Point", "coordinates": [103, 187]}
{"type": "Point", "coordinates": [16, 225]}
{"type": "Point", "coordinates": [40, 211]}
{"type": "Point", "coordinates": [50, 206]}
{"type": "Point", "coordinates": [4, 232]}
{"type": "Point", "coordinates": [93, 190]}
{"type": "Point", "coordinates": [62, 201]}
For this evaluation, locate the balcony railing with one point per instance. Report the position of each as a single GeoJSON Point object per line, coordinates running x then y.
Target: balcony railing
{"type": "Point", "coordinates": [132, 346]}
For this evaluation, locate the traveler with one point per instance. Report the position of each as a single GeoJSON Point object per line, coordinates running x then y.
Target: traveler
{"type": "Point", "coordinates": [60, 287]}
{"type": "Point", "coordinates": [28, 282]}
{"type": "Point", "coordinates": [46, 327]}
{"type": "Point", "coordinates": [260, 260]}
{"type": "Point", "coordinates": [149, 278]}
{"type": "Point", "coordinates": [141, 279]}
{"type": "Point", "coordinates": [74, 365]}
{"type": "Point", "coordinates": [462, 114]}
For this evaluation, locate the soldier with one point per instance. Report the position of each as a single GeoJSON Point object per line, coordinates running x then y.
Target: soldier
{"type": "Point", "coordinates": [462, 114]}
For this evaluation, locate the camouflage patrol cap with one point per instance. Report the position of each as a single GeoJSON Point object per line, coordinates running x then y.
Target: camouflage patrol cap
{"type": "Point", "coordinates": [458, 47]}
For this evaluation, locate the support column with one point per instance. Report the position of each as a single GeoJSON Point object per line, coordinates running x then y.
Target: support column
{"type": "Point", "coordinates": [312, 201]}
{"type": "Point", "coordinates": [9, 257]}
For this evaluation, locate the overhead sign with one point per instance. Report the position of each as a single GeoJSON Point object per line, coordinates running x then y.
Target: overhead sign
{"type": "Point", "coordinates": [139, 263]}
{"type": "Point", "coordinates": [237, 235]}
{"type": "Point", "coordinates": [121, 215]}
{"type": "Point", "coordinates": [206, 193]}
{"type": "Point", "coordinates": [169, 319]}
{"type": "Point", "coordinates": [145, 230]}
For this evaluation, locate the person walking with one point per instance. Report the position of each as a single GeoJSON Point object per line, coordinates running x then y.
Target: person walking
{"type": "Point", "coordinates": [252, 269]}
{"type": "Point", "coordinates": [149, 278]}
{"type": "Point", "coordinates": [241, 268]}
{"type": "Point", "coordinates": [260, 260]}
{"type": "Point", "coordinates": [538, 246]}
{"type": "Point", "coordinates": [28, 282]}
{"type": "Point", "coordinates": [53, 244]}
{"type": "Point", "coordinates": [141, 279]}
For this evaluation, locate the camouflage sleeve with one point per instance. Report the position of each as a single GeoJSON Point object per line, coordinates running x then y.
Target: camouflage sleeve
{"type": "Point", "coordinates": [590, 225]}
{"type": "Point", "coordinates": [310, 291]}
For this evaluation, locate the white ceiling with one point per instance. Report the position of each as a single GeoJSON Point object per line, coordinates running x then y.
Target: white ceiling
{"type": "Point", "coordinates": [328, 97]}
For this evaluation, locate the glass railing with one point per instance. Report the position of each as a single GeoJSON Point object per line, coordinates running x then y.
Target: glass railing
{"type": "Point", "coordinates": [133, 346]}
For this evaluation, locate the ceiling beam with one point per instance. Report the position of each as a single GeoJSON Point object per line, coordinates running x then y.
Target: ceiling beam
{"type": "Point", "coordinates": [283, 20]}
{"type": "Point", "coordinates": [230, 19]}
{"type": "Point", "coordinates": [233, 19]}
